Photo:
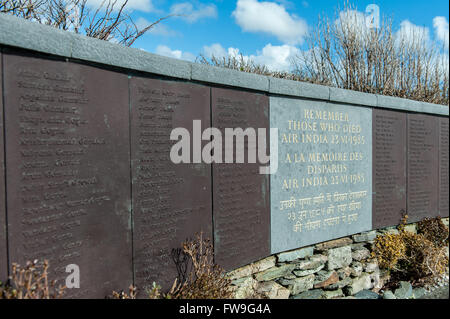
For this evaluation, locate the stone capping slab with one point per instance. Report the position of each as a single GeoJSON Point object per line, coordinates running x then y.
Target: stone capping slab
{"type": "Point", "coordinates": [353, 97]}
{"type": "Point", "coordinates": [213, 74]}
{"type": "Point", "coordinates": [401, 104]}
{"type": "Point", "coordinates": [100, 51]}
{"type": "Point", "coordinates": [17, 32]}
{"type": "Point", "coordinates": [297, 88]}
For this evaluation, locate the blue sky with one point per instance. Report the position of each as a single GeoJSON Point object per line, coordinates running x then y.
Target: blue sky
{"type": "Point", "coordinates": [267, 31]}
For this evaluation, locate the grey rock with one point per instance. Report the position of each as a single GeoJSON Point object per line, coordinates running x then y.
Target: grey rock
{"type": "Point", "coordinates": [339, 257]}
{"type": "Point", "coordinates": [310, 294]}
{"type": "Point", "coordinates": [240, 281]}
{"type": "Point", "coordinates": [325, 278]}
{"type": "Point", "coordinates": [302, 273]}
{"type": "Point", "coordinates": [389, 295]}
{"type": "Point", "coordinates": [361, 254]}
{"type": "Point", "coordinates": [345, 241]}
{"type": "Point", "coordinates": [295, 254]}
{"type": "Point", "coordinates": [404, 291]}
{"type": "Point", "coordinates": [272, 290]}
{"type": "Point", "coordinates": [255, 267]}
{"type": "Point", "coordinates": [377, 281]}
{"type": "Point", "coordinates": [246, 288]}
{"type": "Point", "coordinates": [419, 292]}
{"type": "Point", "coordinates": [371, 266]}
{"type": "Point", "coordinates": [340, 284]}
{"type": "Point", "coordinates": [331, 294]}
{"type": "Point", "coordinates": [312, 262]}
{"type": "Point", "coordinates": [275, 272]}
{"type": "Point", "coordinates": [344, 272]}
{"type": "Point", "coordinates": [367, 294]}
{"type": "Point", "coordinates": [358, 284]}
{"type": "Point", "coordinates": [411, 228]}
{"type": "Point", "coordinates": [366, 236]}
{"type": "Point", "coordinates": [357, 246]}
{"type": "Point", "coordinates": [356, 268]}
{"type": "Point", "coordinates": [319, 258]}
{"type": "Point", "coordinates": [301, 284]}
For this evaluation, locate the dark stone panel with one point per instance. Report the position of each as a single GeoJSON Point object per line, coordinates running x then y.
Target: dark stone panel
{"type": "Point", "coordinates": [422, 189]}
{"type": "Point", "coordinates": [388, 168]}
{"type": "Point", "coordinates": [443, 167]}
{"type": "Point", "coordinates": [68, 181]}
{"type": "Point", "coordinates": [241, 205]}
{"type": "Point", "coordinates": [3, 249]}
{"type": "Point", "coordinates": [171, 202]}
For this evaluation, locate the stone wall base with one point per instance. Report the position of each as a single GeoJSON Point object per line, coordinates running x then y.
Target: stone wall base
{"type": "Point", "coordinates": [340, 268]}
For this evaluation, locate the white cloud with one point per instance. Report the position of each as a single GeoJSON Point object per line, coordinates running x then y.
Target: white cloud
{"type": "Point", "coordinates": [276, 58]}
{"type": "Point", "coordinates": [177, 54]}
{"type": "Point", "coordinates": [271, 18]}
{"type": "Point", "coordinates": [191, 14]}
{"type": "Point", "coordinates": [412, 33]}
{"type": "Point", "coordinates": [139, 5]}
{"type": "Point", "coordinates": [215, 50]}
{"type": "Point", "coordinates": [440, 25]}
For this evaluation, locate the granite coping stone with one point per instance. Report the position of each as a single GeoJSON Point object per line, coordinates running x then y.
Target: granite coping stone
{"type": "Point", "coordinates": [353, 97]}
{"type": "Point", "coordinates": [391, 102]}
{"type": "Point", "coordinates": [207, 73]}
{"type": "Point", "coordinates": [297, 88]}
{"type": "Point", "coordinates": [90, 49]}
{"type": "Point", "coordinates": [30, 35]}
{"type": "Point", "coordinates": [17, 32]}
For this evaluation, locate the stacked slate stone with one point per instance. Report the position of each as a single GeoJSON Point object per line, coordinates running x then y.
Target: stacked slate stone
{"type": "Point", "coordinates": [341, 268]}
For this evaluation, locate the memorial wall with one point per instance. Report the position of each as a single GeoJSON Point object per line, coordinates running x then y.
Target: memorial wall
{"type": "Point", "coordinates": [323, 185]}
{"type": "Point", "coordinates": [86, 176]}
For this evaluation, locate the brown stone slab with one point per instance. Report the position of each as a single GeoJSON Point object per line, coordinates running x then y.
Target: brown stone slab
{"type": "Point", "coordinates": [68, 181]}
{"type": "Point", "coordinates": [388, 167]}
{"type": "Point", "coordinates": [422, 189]}
{"type": "Point", "coordinates": [3, 243]}
{"type": "Point", "coordinates": [443, 167]}
{"type": "Point", "coordinates": [241, 205]}
{"type": "Point", "coordinates": [171, 202]}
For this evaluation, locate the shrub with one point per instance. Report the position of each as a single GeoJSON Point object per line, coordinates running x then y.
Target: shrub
{"type": "Point", "coordinates": [420, 258]}
{"type": "Point", "coordinates": [388, 249]}
{"type": "Point", "coordinates": [200, 278]}
{"type": "Point", "coordinates": [424, 262]}
{"type": "Point", "coordinates": [123, 295]}
{"type": "Point", "coordinates": [206, 280]}
{"type": "Point", "coordinates": [30, 282]}
{"type": "Point", "coordinates": [434, 230]}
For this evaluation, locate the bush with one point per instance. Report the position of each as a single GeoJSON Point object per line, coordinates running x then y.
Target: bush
{"type": "Point", "coordinates": [423, 261]}
{"type": "Point", "coordinates": [388, 249]}
{"type": "Point", "coordinates": [434, 230]}
{"type": "Point", "coordinates": [201, 278]}
{"type": "Point", "coordinates": [30, 282]}
{"type": "Point", "coordinates": [419, 258]}
{"type": "Point", "coordinates": [206, 280]}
